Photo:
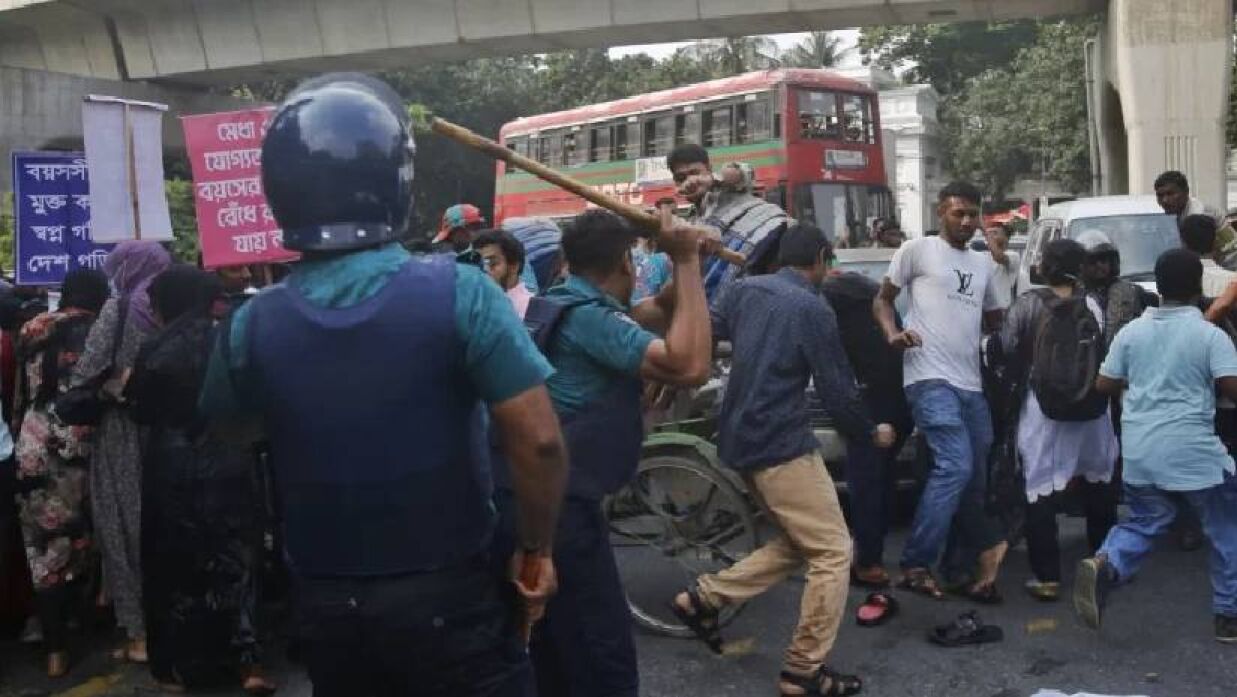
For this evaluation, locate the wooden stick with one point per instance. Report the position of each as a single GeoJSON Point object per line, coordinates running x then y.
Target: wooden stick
{"type": "Point", "coordinates": [131, 169]}
{"type": "Point", "coordinates": [633, 213]}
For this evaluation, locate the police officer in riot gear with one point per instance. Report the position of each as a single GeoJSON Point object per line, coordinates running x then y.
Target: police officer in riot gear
{"type": "Point", "coordinates": [370, 370]}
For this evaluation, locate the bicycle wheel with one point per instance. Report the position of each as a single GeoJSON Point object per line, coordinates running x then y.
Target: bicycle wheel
{"type": "Point", "coordinates": [679, 518]}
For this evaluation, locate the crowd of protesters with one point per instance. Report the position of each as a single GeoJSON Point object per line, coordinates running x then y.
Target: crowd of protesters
{"type": "Point", "coordinates": [158, 409]}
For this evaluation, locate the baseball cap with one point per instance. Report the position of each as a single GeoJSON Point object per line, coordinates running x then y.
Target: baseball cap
{"type": "Point", "coordinates": [461, 215]}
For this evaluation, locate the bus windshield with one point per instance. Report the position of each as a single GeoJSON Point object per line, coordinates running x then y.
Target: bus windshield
{"type": "Point", "coordinates": [842, 210]}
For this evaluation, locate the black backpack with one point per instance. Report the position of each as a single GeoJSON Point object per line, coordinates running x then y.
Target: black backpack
{"type": "Point", "coordinates": [544, 317]}
{"type": "Point", "coordinates": [1065, 359]}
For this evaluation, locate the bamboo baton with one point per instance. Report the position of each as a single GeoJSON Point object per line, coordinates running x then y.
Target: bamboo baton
{"type": "Point", "coordinates": [635, 214]}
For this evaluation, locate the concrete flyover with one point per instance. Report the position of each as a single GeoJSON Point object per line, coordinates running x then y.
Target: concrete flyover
{"type": "Point", "coordinates": [223, 41]}
{"type": "Point", "coordinates": [1159, 70]}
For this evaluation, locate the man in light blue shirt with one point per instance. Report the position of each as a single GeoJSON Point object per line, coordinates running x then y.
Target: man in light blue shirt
{"type": "Point", "coordinates": [1168, 362]}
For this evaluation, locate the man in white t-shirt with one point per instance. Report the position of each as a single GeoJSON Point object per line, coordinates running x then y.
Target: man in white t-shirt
{"type": "Point", "coordinates": [1004, 263]}
{"type": "Point", "coordinates": [952, 293]}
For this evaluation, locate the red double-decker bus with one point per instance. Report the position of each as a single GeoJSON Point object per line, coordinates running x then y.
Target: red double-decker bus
{"type": "Point", "coordinates": [812, 137]}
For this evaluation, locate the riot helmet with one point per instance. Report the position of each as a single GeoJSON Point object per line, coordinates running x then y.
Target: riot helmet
{"type": "Point", "coordinates": [1100, 248]}
{"type": "Point", "coordinates": [337, 164]}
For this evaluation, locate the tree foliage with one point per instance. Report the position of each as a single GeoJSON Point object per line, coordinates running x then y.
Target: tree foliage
{"type": "Point", "coordinates": [1013, 95]}
{"type": "Point", "coordinates": [1029, 117]}
{"type": "Point", "coordinates": [820, 49]}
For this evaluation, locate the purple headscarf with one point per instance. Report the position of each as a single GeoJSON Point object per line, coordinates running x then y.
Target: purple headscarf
{"type": "Point", "coordinates": [131, 266]}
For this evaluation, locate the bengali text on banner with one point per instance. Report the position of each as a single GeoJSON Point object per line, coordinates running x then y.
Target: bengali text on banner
{"type": "Point", "coordinates": [235, 224]}
{"type": "Point", "coordinates": [51, 203]}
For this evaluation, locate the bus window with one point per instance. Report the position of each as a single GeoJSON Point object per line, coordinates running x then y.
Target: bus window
{"type": "Point", "coordinates": [687, 128]}
{"type": "Point", "coordinates": [842, 210]}
{"type": "Point", "coordinates": [658, 135]}
{"type": "Point", "coordinates": [718, 127]}
{"type": "Point", "coordinates": [551, 152]}
{"type": "Point", "coordinates": [818, 115]}
{"type": "Point", "coordinates": [519, 145]}
{"type": "Point", "coordinates": [602, 144]}
{"type": "Point", "coordinates": [857, 118]}
{"type": "Point", "coordinates": [752, 122]}
{"type": "Point", "coordinates": [575, 149]}
{"type": "Point", "coordinates": [629, 141]}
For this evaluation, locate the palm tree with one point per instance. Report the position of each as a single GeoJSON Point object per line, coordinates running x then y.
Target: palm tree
{"type": "Point", "coordinates": [819, 50]}
{"type": "Point", "coordinates": [732, 56]}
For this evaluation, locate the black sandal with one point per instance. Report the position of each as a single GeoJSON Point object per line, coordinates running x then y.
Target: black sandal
{"type": "Point", "coordinates": [984, 594]}
{"type": "Point", "coordinates": [838, 685]}
{"type": "Point", "coordinates": [967, 630]}
{"type": "Point", "coordinates": [702, 620]}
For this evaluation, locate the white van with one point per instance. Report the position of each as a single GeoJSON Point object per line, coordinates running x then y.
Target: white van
{"type": "Point", "coordinates": [1137, 226]}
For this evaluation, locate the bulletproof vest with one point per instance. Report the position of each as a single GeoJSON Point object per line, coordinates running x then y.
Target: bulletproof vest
{"type": "Point", "coordinates": [377, 434]}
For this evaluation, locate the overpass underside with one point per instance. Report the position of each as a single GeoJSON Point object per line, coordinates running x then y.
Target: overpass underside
{"type": "Point", "coordinates": [226, 41]}
{"type": "Point", "coordinates": [1160, 69]}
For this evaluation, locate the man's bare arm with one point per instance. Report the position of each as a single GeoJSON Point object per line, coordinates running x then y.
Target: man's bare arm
{"type": "Point", "coordinates": [1109, 386]}
{"type": "Point", "coordinates": [533, 443]}
{"type": "Point", "coordinates": [1228, 387]}
{"type": "Point", "coordinates": [887, 318]}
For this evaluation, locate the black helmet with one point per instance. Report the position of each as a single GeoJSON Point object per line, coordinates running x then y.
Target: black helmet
{"type": "Point", "coordinates": [337, 164]}
{"type": "Point", "coordinates": [1100, 247]}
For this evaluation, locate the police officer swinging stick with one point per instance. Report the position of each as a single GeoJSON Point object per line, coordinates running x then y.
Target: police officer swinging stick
{"type": "Point", "coordinates": [634, 214]}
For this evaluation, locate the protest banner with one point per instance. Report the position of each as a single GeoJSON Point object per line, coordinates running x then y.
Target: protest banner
{"type": "Point", "coordinates": [52, 211]}
{"type": "Point", "coordinates": [124, 150]}
{"type": "Point", "coordinates": [235, 224]}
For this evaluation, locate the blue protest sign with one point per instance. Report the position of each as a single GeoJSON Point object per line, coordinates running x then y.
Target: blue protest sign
{"type": "Point", "coordinates": [51, 207]}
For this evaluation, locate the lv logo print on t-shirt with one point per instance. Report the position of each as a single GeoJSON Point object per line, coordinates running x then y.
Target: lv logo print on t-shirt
{"type": "Point", "coordinates": [964, 283]}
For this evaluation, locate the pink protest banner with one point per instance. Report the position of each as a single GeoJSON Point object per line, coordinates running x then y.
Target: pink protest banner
{"type": "Point", "coordinates": [235, 224]}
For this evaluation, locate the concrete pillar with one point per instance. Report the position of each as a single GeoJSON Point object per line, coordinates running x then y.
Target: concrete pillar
{"type": "Point", "coordinates": [41, 109]}
{"type": "Point", "coordinates": [1170, 63]}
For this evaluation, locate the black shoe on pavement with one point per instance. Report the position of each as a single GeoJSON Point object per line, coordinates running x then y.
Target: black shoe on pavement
{"type": "Point", "coordinates": [1095, 578]}
{"type": "Point", "coordinates": [1226, 629]}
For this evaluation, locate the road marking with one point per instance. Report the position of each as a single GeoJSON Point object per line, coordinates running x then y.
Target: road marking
{"type": "Point", "coordinates": [93, 687]}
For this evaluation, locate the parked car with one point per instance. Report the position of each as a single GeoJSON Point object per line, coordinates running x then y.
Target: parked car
{"type": "Point", "coordinates": [1137, 226]}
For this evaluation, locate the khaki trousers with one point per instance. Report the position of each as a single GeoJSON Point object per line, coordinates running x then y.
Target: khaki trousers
{"type": "Point", "coordinates": [801, 499]}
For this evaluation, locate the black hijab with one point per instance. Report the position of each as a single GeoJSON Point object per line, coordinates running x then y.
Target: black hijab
{"type": "Point", "coordinates": [183, 290]}
{"type": "Point", "coordinates": [84, 289]}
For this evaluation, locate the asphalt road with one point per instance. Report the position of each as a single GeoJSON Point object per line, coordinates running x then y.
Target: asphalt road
{"type": "Point", "coordinates": [1156, 642]}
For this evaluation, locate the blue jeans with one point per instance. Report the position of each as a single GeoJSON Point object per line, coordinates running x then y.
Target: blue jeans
{"type": "Point", "coordinates": [1152, 512]}
{"type": "Point", "coordinates": [958, 428]}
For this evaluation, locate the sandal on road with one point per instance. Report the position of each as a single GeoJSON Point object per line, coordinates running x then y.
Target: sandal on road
{"type": "Point", "coordinates": [982, 593]}
{"type": "Point", "coordinates": [702, 619]}
{"type": "Point", "coordinates": [920, 581]}
{"type": "Point", "coordinates": [878, 609]}
{"type": "Point", "coordinates": [825, 683]}
{"type": "Point", "coordinates": [967, 630]}
{"type": "Point", "coordinates": [873, 578]}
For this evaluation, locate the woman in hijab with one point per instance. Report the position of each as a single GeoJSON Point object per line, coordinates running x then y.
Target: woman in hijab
{"type": "Point", "coordinates": [115, 469]}
{"type": "Point", "coordinates": [52, 458]}
{"type": "Point", "coordinates": [201, 512]}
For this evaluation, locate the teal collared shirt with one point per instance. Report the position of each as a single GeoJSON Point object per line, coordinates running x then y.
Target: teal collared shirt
{"type": "Point", "coordinates": [499, 356]}
{"type": "Point", "coordinates": [597, 343]}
